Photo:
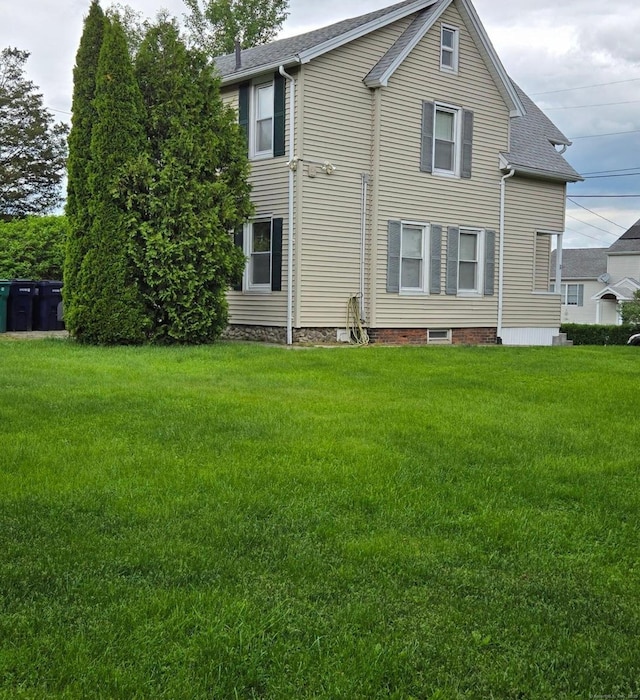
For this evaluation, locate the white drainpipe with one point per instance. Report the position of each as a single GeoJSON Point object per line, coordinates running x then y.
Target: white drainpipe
{"type": "Point", "coordinates": [363, 240]}
{"type": "Point", "coordinates": [292, 121]}
{"type": "Point", "coordinates": [503, 185]}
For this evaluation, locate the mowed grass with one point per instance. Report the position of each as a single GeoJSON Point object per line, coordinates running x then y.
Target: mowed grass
{"type": "Point", "coordinates": [240, 521]}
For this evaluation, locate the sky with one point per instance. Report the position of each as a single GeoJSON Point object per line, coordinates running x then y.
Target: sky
{"type": "Point", "coordinates": [579, 60]}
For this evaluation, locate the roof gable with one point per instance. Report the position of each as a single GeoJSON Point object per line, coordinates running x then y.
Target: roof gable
{"type": "Point", "coordinates": [305, 47]}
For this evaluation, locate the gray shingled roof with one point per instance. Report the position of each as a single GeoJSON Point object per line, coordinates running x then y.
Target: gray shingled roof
{"type": "Point", "coordinates": [378, 71]}
{"type": "Point", "coordinates": [581, 263]}
{"type": "Point", "coordinates": [285, 50]}
{"type": "Point", "coordinates": [532, 144]}
{"type": "Point", "coordinates": [629, 242]}
{"type": "Point", "coordinates": [532, 136]}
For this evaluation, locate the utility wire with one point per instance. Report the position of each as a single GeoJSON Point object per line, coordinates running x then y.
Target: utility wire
{"type": "Point", "coordinates": [580, 233]}
{"type": "Point", "coordinates": [602, 104]}
{"type": "Point", "coordinates": [596, 214]}
{"type": "Point", "coordinates": [597, 136]}
{"type": "Point", "coordinates": [604, 172]}
{"type": "Point", "coordinates": [604, 196]}
{"type": "Point", "coordinates": [585, 87]}
{"type": "Point", "coordinates": [596, 177]}
{"type": "Point", "coordinates": [586, 223]}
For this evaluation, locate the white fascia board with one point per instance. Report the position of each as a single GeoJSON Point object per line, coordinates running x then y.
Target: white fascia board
{"type": "Point", "coordinates": [248, 73]}
{"type": "Point", "coordinates": [518, 108]}
{"type": "Point", "coordinates": [536, 173]}
{"type": "Point", "coordinates": [384, 80]}
{"type": "Point", "coordinates": [363, 30]}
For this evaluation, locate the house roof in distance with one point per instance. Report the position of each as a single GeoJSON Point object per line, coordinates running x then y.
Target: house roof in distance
{"type": "Point", "coordinates": [629, 242]}
{"type": "Point", "coordinates": [581, 263]}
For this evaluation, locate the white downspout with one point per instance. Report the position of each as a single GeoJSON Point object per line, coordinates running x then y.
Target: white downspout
{"type": "Point", "coordinates": [503, 186]}
{"type": "Point", "coordinates": [292, 121]}
{"type": "Point", "coordinates": [363, 241]}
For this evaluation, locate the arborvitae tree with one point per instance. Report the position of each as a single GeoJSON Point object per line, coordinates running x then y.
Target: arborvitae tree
{"type": "Point", "coordinates": [84, 117]}
{"type": "Point", "coordinates": [630, 310]}
{"type": "Point", "coordinates": [216, 25]}
{"type": "Point", "coordinates": [193, 191]}
{"type": "Point", "coordinates": [33, 149]}
{"type": "Point", "coordinates": [109, 308]}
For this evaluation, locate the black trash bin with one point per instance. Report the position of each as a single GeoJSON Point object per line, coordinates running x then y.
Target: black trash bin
{"type": "Point", "coordinates": [5, 286]}
{"type": "Point", "coordinates": [20, 307]}
{"type": "Point", "coordinates": [47, 314]}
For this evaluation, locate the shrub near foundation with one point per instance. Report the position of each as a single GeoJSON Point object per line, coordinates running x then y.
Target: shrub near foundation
{"type": "Point", "coordinates": [589, 334]}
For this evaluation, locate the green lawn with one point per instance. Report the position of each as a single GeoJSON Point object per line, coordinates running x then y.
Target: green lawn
{"type": "Point", "coordinates": [240, 521]}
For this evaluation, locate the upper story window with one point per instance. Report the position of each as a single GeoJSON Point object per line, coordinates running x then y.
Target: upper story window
{"type": "Point", "coordinates": [261, 116]}
{"type": "Point", "coordinates": [446, 140]}
{"type": "Point", "coordinates": [262, 121]}
{"type": "Point", "coordinates": [449, 49]}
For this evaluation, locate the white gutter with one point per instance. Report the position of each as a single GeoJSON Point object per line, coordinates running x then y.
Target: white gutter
{"type": "Point", "coordinates": [503, 186]}
{"type": "Point", "coordinates": [363, 240]}
{"type": "Point", "coordinates": [292, 106]}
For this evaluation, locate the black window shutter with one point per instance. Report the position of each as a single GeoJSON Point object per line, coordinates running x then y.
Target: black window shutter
{"type": "Point", "coordinates": [426, 145]}
{"type": "Point", "coordinates": [278, 115]}
{"type": "Point", "coordinates": [276, 255]}
{"type": "Point", "coordinates": [453, 242]}
{"type": "Point", "coordinates": [393, 256]}
{"type": "Point", "coordinates": [238, 240]}
{"type": "Point", "coordinates": [435, 283]}
{"type": "Point", "coordinates": [489, 262]}
{"type": "Point", "coordinates": [467, 143]}
{"type": "Point", "coordinates": [243, 109]}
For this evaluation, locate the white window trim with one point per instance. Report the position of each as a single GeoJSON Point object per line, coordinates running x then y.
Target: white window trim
{"type": "Point", "coordinates": [424, 288]}
{"type": "Point", "coordinates": [434, 339]}
{"type": "Point", "coordinates": [253, 120]}
{"type": "Point", "coordinates": [564, 292]}
{"type": "Point", "coordinates": [479, 290]}
{"type": "Point", "coordinates": [248, 251]}
{"type": "Point", "coordinates": [454, 51]}
{"type": "Point", "coordinates": [457, 144]}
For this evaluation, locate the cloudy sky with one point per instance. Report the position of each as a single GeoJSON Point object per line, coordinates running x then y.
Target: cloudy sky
{"type": "Point", "coordinates": [579, 60]}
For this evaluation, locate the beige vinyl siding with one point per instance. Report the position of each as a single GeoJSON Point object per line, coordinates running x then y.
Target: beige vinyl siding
{"type": "Point", "coordinates": [530, 206]}
{"type": "Point", "coordinates": [270, 195]}
{"type": "Point", "coordinates": [542, 263]}
{"type": "Point", "coordinates": [337, 128]}
{"type": "Point", "coordinates": [621, 266]}
{"type": "Point", "coordinates": [409, 194]}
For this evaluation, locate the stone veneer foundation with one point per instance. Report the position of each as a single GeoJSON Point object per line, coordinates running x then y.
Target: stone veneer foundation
{"type": "Point", "coordinates": [381, 336]}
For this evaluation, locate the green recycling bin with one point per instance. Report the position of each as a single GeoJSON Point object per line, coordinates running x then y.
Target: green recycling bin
{"type": "Point", "coordinates": [5, 286]}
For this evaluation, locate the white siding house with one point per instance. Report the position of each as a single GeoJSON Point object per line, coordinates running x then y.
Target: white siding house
{"type": "Point", "coordinates": [398, 171]}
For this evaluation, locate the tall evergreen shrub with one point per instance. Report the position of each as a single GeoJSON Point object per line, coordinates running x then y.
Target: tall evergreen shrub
{"type": "Point", "coordinates": [191, 192]}
{"type": "Point", "coordinates": [83, 120]}
{"type": "Point", "coordinates": [109, 307]}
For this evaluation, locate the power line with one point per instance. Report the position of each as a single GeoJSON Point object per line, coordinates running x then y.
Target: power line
{"type": "Point", "coordinates": [601, 196]}
{"type": "Point", "coordinates": [580, 233]}
{"type": "Point", "coordinates": [585, 87]}
{"type": "Point", "coordinates": [597, 136]}
{"type": "Point", "coordinates": [604, 218]}
{"type": "Point", "coordinates": [617, 170]}
{"type": "Point", "coordinates": [602, 104]}
{"type": "Point", "coordinates": [596, 177]}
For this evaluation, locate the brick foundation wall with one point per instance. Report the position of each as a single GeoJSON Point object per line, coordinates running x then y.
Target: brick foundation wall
{"type": "Point", "coordinates": [419, 336]}
{"type": "Point", "coordinates": [474, 336]}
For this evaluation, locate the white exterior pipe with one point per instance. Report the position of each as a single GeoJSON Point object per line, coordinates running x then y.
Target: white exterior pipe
{"type": "Point", "coordinates": [503, 187]}
{"type": "Point", "coordinates": [292, 122]}
{"type": "Point", "coordinates": [363, 240]}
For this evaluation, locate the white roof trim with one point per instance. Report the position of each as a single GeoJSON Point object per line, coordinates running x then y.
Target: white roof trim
{"type": "Point", "coordinates": [384, 79]}
{"type": "Point", "coordinates": [249, 73]}
{"type": "Point", "coordinates": [363, 30]}
{"type": "Point", "coordinates": [616, 290]}
{"type": "Point", "coordinates": [519, 109]}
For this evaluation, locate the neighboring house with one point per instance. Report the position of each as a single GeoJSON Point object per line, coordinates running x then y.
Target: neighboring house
{"type": "Point", "coordinates": [595, 280]}
{"type": "Point", "coordinates": [396, 166]}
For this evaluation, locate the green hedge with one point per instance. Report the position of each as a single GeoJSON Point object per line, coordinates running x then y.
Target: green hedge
{"type": "Point", "coordinates": [588, 334]}
{"type": "Point", "coordinates": [33, 248]}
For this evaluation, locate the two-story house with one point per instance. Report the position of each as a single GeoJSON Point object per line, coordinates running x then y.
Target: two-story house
{"type": "Point", "coordinates": [595, 281]}
{"type": "Point", "coordinates": [399, 176]}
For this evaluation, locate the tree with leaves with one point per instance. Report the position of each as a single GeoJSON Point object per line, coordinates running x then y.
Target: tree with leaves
{"type": "Point", "coordinates": [108, 305]}
{"type": "Point", "coordinates": [82, 123]}
{"type": "Point", "coordinates": [191, 192]}
{"type": "Point", "coordinates": [216, 25]}
{"type": "Point", "coordinates": [32, 147]}
{"type": "Point", "coordinates": [630, 311]}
